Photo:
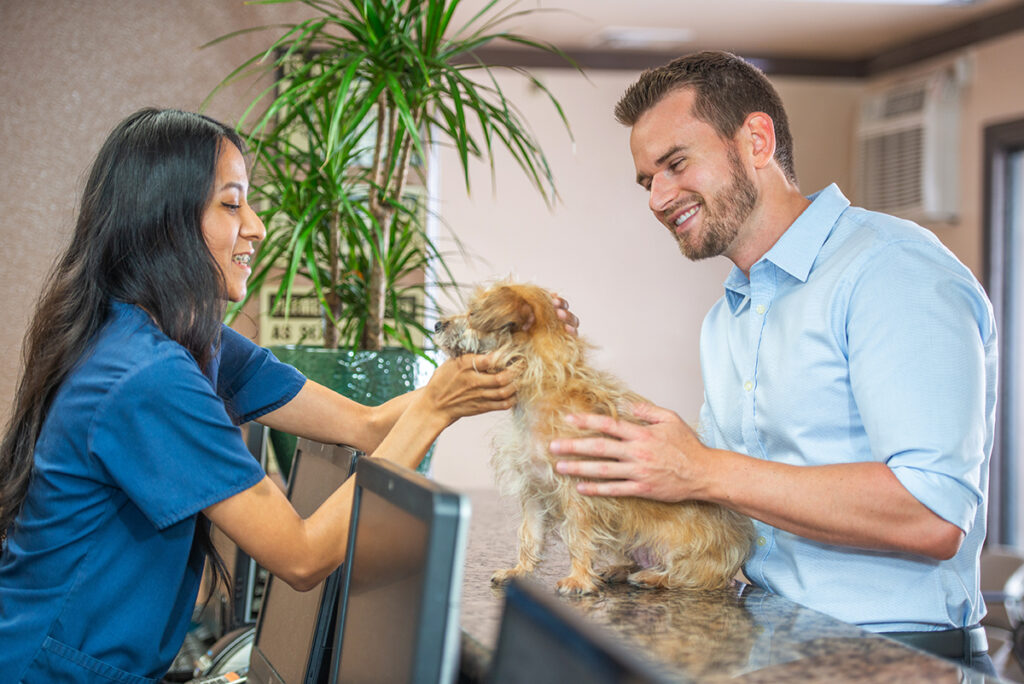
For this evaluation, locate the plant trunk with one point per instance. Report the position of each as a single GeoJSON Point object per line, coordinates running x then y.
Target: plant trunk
{"type": "Point", "coordinates": [331, 296]}
{"type": "Point", "coordinates": [373, 331]}
{"type": "Point", "coordinates": [391, 173]}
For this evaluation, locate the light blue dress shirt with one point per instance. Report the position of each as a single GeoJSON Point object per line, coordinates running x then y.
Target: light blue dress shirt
{"type": "Point", "coordinates": [859, 337]}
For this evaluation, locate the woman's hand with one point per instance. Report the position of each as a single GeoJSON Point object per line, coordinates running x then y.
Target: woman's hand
{"type": "Point", "coordinates": [466, 387]}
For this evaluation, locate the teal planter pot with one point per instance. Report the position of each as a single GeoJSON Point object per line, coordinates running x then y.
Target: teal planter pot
{"type": "Point", "coordinates": [369, 377]}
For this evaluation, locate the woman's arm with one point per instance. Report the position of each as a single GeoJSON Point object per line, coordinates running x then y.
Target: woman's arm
{"type": "Point", "coordinates": [323, 415]}
{"type": "Point", "coordinates": [303, 552]}
{"type": "Point", "coordinates": [263, 523]}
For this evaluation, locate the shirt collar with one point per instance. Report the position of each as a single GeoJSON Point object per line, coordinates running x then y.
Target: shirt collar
{"type": "Point", "coordinates": [795, 251]}
{"type": "Point", "coordinates": [737, 288]}
{"type": "Point", "coordinates": [123, 309]}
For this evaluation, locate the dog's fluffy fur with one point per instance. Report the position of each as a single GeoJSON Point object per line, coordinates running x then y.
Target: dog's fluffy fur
{"type": "Point", "coordinates": [693, 544]}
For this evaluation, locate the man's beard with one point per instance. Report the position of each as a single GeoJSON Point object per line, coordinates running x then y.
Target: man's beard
{"type": "Point", "coordinates": [722, 221]}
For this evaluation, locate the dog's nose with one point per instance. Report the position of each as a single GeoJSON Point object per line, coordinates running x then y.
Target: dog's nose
{"type": "Point", "coordinates": [440, 326]}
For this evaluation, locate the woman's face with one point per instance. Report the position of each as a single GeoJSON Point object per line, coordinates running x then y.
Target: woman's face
{"type": "Point", "coordinates": [230, 226]}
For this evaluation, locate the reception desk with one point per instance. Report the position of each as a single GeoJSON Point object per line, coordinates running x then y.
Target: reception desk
{"type": "Point", "coordinates": [741, 634]}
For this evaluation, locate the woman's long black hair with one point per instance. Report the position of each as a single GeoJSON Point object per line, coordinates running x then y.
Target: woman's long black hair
{"type": "Point", "coordinates": [139, 239]}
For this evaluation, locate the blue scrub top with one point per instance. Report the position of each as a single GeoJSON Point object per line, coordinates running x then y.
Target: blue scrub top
{"type": "Point", "coordinates": [99, 574]}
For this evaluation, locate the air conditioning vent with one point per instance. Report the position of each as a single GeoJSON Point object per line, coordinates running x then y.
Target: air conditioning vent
{"type": "Point", "coordinates": [903, 102]}
{"type": "Point", "coordinates": [896, 161]}
{"type": "Point", "coordinates": [908, 145]}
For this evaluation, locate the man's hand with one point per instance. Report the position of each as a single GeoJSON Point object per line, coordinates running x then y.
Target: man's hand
{"type": "Point", "coordinates": [661, 460]}
{"type": "Point", "coordinates": [572, 323]}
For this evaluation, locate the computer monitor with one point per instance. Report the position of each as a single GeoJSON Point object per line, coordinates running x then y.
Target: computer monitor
{"type": "Point", "coordinates": [293, 627]}
{"type": "Point", "coordinates": [542, 641]}
{"type": "Point", "coordinates": [398, 612]}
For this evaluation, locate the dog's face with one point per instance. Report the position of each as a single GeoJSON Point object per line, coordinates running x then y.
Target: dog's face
{"type": "Point", "coordinates": [503, 315]}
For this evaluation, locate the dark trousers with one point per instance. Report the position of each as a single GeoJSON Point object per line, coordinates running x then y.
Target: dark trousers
{"type": "Point", "coordinates": [965, 646]}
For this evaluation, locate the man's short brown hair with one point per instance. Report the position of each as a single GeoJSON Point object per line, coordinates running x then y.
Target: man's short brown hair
{"type": "Point", "coordinates": [727, 89]}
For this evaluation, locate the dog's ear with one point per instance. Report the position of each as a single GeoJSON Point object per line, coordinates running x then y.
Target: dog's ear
{"type": "Point", "coordinates": [501, 308]}
{"type": "Point", "coordinates": [517, 307]}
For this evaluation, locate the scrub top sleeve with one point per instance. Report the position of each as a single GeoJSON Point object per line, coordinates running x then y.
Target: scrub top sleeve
{"type": "Point", "coordinates": [165, 439]}
{"type": "Point", "coordinates": [251, 381]}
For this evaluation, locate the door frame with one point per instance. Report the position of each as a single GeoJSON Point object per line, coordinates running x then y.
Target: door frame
{"type": "Point", "coordinates": [1000, 141]}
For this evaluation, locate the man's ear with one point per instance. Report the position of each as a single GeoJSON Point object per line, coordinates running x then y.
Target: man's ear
{"type": "Point", "coordinates": [759, 135]}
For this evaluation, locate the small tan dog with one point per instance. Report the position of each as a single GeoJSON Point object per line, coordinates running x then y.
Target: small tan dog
{"type": "Point", "coordinates": [693, 544]}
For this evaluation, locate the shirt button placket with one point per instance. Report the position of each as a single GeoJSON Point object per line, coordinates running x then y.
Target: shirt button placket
{"type": "Point", "coordinates": [761, 291]}
{"type": "Point", "coordinates": [748, 382]}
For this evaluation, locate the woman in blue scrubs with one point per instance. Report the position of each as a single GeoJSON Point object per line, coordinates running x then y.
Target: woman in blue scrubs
{"type": "Point", "coordinates": [123, 432]}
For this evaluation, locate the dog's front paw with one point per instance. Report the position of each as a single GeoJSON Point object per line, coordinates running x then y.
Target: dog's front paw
{"type": "Point", "coordinates": [617, 573]}
{"type": "Point", "coordinates": [577, 585]}
{"type": "Point", "coordinates": [505, 576]}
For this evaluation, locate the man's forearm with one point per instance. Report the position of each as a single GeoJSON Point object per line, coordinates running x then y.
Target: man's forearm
{"type": "Point", "coordinates": [861, 505]}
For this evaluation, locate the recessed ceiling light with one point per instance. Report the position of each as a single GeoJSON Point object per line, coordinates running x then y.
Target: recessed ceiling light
{"type": "Point", "coordinates": [646, 37]}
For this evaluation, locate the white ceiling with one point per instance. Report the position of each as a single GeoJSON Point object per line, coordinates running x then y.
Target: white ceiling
{"type": "Point", "coordinates": [780, 28]}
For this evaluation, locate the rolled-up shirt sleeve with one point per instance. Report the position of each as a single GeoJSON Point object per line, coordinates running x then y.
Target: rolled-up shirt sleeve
{"type": "Point", "coordinates": [918, 332]}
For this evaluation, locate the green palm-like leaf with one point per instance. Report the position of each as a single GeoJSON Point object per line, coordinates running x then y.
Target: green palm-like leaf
{"type": "Point", "coordinates": [341, 225]}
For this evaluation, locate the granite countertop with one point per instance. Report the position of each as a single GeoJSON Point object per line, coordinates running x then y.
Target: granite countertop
{"type": "Point", "coordinates": [739, 634]}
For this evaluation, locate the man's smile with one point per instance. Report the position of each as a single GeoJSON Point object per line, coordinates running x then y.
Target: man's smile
{"type": "Point", "coordinates": [677, 221]}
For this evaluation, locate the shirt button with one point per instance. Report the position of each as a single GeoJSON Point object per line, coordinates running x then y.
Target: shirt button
{"type": "Point", "coordinates": [761, 541]}
{"type": "Point", "coordinates": [748, 385]}
{"type": "Point", "coordinates": [759, 309]}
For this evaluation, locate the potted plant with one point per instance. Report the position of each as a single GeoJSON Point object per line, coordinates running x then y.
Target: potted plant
{"type": "Point", "coordinates": [359, 92]}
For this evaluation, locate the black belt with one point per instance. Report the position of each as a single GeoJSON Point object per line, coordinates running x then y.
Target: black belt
{"type": "Point", "coordinates": [961, 643]}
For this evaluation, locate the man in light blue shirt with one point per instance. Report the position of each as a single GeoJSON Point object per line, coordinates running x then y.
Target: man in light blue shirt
{"type": "Point", "coordinates": [851, 342]}
{"type": "Point", "coordinates": [849, 372]}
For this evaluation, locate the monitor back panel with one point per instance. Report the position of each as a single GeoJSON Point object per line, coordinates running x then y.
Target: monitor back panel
{"type": "Point", "coordinates": [402, 579]}
{"type": "Point", "coordinates": [541, 641]}
{"type": "Point", "coordinates": [291, 632]}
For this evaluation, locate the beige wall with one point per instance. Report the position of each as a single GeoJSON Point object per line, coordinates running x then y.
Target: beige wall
{"type": "Point", "coordinates": [70, 69]}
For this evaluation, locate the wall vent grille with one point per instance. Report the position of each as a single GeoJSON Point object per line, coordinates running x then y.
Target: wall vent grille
{"type": "Point", "coordinates": [908, 148]}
